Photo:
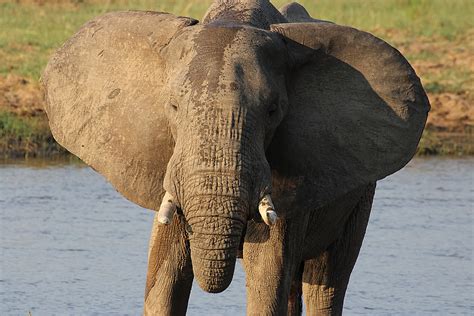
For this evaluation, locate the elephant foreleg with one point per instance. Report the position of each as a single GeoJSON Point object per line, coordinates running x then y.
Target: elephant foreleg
{"type": "Point", "coordinates": [295, 303]}
{"type": "Point", "coordinates": [271, 256]}
{"type": "Point", "coordinates": [170, 274]}
{"type": "Point", "coordinates": [326, 277]}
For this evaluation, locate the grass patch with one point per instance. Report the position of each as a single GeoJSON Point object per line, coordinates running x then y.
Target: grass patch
{"type": "Point", "coordinates": [448, 144]}
{"type": "Point", "coordinates": [435, 87]}
{"type": "Point", "coordinates": [26, 137]}
{"type": "Point", "coordinates": [449, 80]}
{"type": "Point", "coordinates": [10, 124]}
{"type": "Point", "coordinates": [423, 55]}
{"type": "Point", "coordinates": [33, 31]}
{"type": "Point", "coordinates": [414, 17]}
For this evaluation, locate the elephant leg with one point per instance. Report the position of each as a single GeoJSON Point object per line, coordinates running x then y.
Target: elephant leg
{"type": "Point", "coordinates": [170, 273]}
{"type": "Point", "coordinates": [295, 302]}
{"type": "Point", "coordinates": [271, 256]}
{"type": "Point", "coordinates": [326, 277]}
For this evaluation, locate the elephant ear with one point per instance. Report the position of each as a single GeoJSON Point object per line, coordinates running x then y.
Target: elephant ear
{"type": "Point", "coordinates": [103, 88]}
{"type": "Point", "coordinates": [357, 111]}
{"type": "Point", "coordinates": [295, 12]}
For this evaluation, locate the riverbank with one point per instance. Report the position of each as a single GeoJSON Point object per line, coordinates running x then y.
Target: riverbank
{"type": "Point", "coordinates": [437, 43]}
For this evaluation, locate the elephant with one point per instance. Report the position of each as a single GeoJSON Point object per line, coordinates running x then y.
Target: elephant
{"type": "Point", "coordinates": [256, 133]}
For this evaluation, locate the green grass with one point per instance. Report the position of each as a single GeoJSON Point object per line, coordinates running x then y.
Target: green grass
{"type": "Point", "coordinates": [449, 80]}
{"type": "Point", "coordinates": [10, 124]}
{"type": "Point", "coordinates": [26, 137]}
{"type": "Point", "coordinates": [447, 18]}
{"type": "Point", "coordinates": [433, 143]}
{"type": "Point", "coordinates": [30, 32]}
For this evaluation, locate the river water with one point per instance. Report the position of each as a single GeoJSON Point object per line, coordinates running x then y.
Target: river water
{"type": "Point", "coordinates": [71, 245]}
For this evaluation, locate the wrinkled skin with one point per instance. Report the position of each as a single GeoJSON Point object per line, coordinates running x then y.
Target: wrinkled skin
{"type": "Point", "coordinates": [246, 104]}
{"type": "Point", "coordinates": [223, 120]}
{"type": "Point", "coordinates": [218, 168]}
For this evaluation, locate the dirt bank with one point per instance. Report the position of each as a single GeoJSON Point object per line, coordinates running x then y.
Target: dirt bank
{"type": "Point", "coordinates": [447, 69]}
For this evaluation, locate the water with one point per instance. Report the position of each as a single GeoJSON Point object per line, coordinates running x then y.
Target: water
{"type": "Point", "coordinates": [71, 245]}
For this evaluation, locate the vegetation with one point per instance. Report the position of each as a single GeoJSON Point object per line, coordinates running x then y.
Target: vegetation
{"type": "Point", "coordinates": [436, 36]}
{"type": "Point", "coordinates": [442, 143]}
{"type": "Point", "coordinates": [32, 29]}
{"type": "Point", "coordinates": [25, 137]}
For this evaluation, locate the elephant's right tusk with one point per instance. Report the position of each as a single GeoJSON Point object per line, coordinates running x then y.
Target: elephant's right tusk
{"type": "Point", "coordinates": [167, 209]}
{"type": "Point", "coordinates": [267, 210]}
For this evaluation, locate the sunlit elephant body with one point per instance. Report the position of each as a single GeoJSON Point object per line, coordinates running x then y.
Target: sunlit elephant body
{"type": "Point", "coordinates": [249, 108]}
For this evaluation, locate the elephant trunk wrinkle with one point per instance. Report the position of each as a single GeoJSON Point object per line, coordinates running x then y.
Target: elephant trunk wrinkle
{"type": "Point", "coordinates": [216, 192]}
{"type": "Point", "coordinates": [208, 214]}
{"type": "Point", "coordinates": [216, 225]}
{"type": "Point", "coordinates": [214, 262]}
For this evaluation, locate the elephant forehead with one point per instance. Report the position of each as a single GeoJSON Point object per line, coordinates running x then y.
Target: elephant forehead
{"type": "Point", "coordinates": [213, 38]}
{"type": "Point", "coordinates": [225, 57]}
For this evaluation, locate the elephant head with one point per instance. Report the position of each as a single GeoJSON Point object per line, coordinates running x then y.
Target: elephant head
{"type": "Point", "coordinates": [214, 118]}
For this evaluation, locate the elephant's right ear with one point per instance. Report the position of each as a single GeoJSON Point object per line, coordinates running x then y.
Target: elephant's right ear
{"type": "Point", "coordinates": [357, 110]}
{"type": "Point", "coordinates": [103, 88]}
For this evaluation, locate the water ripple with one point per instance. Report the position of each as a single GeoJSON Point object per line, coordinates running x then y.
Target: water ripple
{"type": "Point", "coordinates": [71, 245]}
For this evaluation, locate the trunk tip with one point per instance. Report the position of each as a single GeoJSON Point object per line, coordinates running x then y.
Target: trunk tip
{"type": "Point", "coordinates": [214, 286]}
{"type": "Point", "coordinates": [214, 280]}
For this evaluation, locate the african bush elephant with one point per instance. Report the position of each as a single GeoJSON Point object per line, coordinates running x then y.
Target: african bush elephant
{"type": "Point", "coordinates": [262, 131]}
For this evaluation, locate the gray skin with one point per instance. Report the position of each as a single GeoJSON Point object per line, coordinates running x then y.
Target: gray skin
{"type": "Point", "coordinates": [248, 102]}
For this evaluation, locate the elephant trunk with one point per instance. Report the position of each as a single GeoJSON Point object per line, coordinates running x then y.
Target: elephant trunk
{"type": "Point", "coordinates": [215, 228]}
{"type": "Point", "coordinates": [216, 173]}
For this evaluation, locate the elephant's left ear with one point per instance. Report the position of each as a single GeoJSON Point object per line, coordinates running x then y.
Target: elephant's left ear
{"type": "Point", "coordinates": [357, 110]}
{"type": "Point", "coordinates": [105, 99]}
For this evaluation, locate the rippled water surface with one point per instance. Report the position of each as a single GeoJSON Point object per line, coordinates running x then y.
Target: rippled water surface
{"type": "Point", "coordinates": [70, 244]}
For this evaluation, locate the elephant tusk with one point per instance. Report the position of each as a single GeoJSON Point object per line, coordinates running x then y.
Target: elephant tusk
{"type": "Point", "coordinates": [267, 210]}
{"type": "Point", "coordinates": [167, 209]}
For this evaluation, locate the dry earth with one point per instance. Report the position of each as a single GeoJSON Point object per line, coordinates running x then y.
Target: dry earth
{"type": "Point", "coordinates": [20, 96]}
{"type": "Point", "coordinates": [447, 70]}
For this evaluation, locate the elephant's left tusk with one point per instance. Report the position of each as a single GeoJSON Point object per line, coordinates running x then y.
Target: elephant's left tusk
{"type": "Point", "coordinates": [167, 209]}
{"type": "Point", "coordinates": [267, 210]}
